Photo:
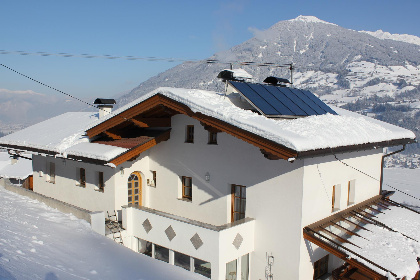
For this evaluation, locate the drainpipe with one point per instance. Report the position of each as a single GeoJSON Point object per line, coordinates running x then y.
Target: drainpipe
{"type": "Point", "coordinates": [382, 165]}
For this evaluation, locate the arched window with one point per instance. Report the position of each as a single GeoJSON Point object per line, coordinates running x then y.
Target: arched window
{"type": "Point", "coordinates": [134, 189]}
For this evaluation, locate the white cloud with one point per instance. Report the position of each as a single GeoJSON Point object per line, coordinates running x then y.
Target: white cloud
{"type": "Point", "coordinates": [20, 92]}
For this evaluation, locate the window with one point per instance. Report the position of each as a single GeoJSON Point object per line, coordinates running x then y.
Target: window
{"type": "Point", "coordinates": [187, 188]}
{"type": "Point", "coordinates": [51, 172]}
{"type": "Point", "coordinates": [335, 197]}
{"type": "Point", "coordinates": [212, 138]}
{"type": "Point", "coordinates": [351, 192]}
{"type": "Point", "coordinates": [82, 177]}
{"type": "Point", "coordinates": [231, 270]}
{"type": "Point", "coordinates": [202, 267]}
{"type": "Point", "coordinates": [321, 267]}
{"type": "Point", "coordinates": [101, 184]}
{"type": "Point", "coordinates": [161, 253]}
{"type": "Point", "coordinates": [154, 178]}
{"type": "Point", "coordinates": [182, 260]}
{"type": "Point", "coordinates": [245, 267]}
{"type": "Point", "coordinates": [189, 134]}
{"type": "Point", "coordinates": [238, 202]}
{"type": "Point", "coordinates": [144, 247]}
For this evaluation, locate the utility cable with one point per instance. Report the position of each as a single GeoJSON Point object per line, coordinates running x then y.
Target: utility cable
{"type": "Point", "coordinates": [60, 91]}
{"type": "Point", "coordinates": [370, 176]}
{"type": "Point", "coordinates": [152, 58]}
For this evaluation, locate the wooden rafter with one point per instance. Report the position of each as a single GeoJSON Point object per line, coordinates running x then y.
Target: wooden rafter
{"type": "Point", "coordinates": [112, 135]}
{"type": "Point", "coordinates": [268, 146]}
{"type": "Point", "coordinates": [152, 122]}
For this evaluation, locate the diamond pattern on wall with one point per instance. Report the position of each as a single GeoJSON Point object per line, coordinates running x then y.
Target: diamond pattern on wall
{"type": "Point", "coordinates": [238, 241]}
{"type": "Point", "coordinates": [147, 225]}
{"type": "Point", "coordinates": [170, 233]}
{"type": "Point", "coordinates": [196, 241]}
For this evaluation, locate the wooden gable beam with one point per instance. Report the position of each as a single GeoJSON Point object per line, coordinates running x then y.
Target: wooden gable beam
{"type": "Point", "coordinates": [152, 122]}
{"type": "Point", "coordinates": [136, 151]}
{"type": "Point", "coordinates": [112, 135]}
{"type": "Point", "coordinates": [345, 229]}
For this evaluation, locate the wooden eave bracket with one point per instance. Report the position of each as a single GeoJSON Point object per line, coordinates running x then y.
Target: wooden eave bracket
{"type": "Point", "coordinates": [112, 135]}
{"type": "Point", "coordinates": [152, 122]}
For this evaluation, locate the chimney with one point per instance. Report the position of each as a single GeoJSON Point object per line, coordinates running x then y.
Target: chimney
{"type": "Point", "coordinates": [104, 105]}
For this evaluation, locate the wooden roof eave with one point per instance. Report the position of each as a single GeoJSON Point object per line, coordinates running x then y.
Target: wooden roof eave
{"type": "Point", "coordinates": [267, 145]}
{"type": "Point", "coordinates": [351, 148]}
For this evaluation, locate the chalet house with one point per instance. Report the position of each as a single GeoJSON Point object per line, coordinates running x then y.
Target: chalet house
{"type": "Point", "coordinates": [259, 182]}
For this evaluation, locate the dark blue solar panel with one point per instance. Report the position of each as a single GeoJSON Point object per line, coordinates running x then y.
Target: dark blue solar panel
{"type": "Point", "coordinates": [271, 99]}
{"type": "Point", "coordinates": [308, 101]}
{"type": "Point", "coordinates": [282, 101]}
{"type": "Point", "coordinates": [317, 101]}
{"type": "Point", "coordinates": [295, 109]}
{"type": "Point", "coordinates": [255, 99]}
{"type": "Point", "coordinates": [295, 99]}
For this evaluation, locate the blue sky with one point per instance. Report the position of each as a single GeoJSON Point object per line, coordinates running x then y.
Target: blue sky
{"type": "Point", "coordinates": [177, 29]}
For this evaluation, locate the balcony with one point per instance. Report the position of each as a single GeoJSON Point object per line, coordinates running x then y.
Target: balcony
{"type": "Point", "coordinates": [217, 245]}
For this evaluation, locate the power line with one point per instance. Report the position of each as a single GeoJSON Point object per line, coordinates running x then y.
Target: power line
{"type": "Point", "coordinates": [53, 88]}
{"type": "Point", "coordinates": [151, 58]}
{"type": "Point", "coordinates": [370, 176]}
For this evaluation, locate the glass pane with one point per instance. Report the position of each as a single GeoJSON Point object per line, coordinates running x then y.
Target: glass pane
{"type": "Point", "coordinates": [136, 184]}
{"type": "Point", "coordinates": [231, 270]}
{"type": "Point", "coordinates": [237, 191]}
{"type": "Point", "coordinates": [187, 182]}
{"type": "Point", "coordinates": [182, 260]}
{"type": "Point", "coordinates": [129, 192]}
{"type": "Point", "coordinates": [129, 199]}
{"type": "Point", "coordinates": [145, 247]}
{"type": "Point", "coordinates": [243, 189]}
{"type": "Point", "coordinates": [136, 191]}
{"type": "Point", "coordinates": [243, 204]}
{"type": "Point", "coordinates": [161, 253]}
{"type": "Point", "coordinates": [187, 191]}
{"type": "Point", "coordinates": [237, 205]}
{"type": "Point", "coordinates": [235, 216]}
{"type": "Point", "coordinates": [136, 197]}
{"type": "Point", "coordinates": [129, 185]}
{"type": "Point", "coordinates": [202, 267]}
{"type": "Point", "coordinates": [245, 267]}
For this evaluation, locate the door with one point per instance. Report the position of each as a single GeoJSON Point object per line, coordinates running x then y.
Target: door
{"type": "Point", "coordinates": [134, 189]}
{"type": "Point", "coordinates": [238, 202]}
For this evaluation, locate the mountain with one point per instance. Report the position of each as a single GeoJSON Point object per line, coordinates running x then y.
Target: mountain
{"type": "Point", "coordinates": [328, 59]}
{"type": "Point", "coordinates": [397, 37]}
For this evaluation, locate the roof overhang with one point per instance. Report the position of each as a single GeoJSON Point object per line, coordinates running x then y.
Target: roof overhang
{"type": "Point", "coordinates": [269, 147]}
{"type": "Point", "coordinates": [325, 233]}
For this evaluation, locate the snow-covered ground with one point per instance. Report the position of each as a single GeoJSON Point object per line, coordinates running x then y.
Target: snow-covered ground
{"type": "Point", "coordinates": [406, 180]}
{"type": "Point", "coordinates": [38, 242]}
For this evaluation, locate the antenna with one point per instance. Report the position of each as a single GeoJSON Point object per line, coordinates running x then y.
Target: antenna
{"type": "Point", "coordinates": [291, 73]}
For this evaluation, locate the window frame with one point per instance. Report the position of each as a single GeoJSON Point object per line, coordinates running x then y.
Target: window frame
{"type": "Point", "coordinates": [51, 172]}
{"type": "Point", "coordinates": [101, 181]}
{"type": "Point", "coordinates": [212, 138]}
{"type": "Point", "coordinates": [82, 177]}
{"type": "Point", "coordinates": [184, 186]}
{"type": "Point", "coordinates": [242, 199]}
{"type": "Point", "coordinates": [189, 134]}
{"type": "Point", "coordinates": [154, 178]}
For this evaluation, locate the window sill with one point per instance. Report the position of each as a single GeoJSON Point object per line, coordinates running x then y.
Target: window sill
{"type": "Point", "coordinates": [185, 199]}
{"type": "Point", "coordinates": [99, 189]}
{"type": "Point", "coordinates": [189, 142]}
{"type": "Point", "coordinates": [80, 185]}
{"type": "Point", "coordinates": [51, 182]}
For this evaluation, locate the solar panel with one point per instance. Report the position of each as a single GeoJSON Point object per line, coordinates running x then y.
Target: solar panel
{"type": "Point", "coordinates": [274, 101]}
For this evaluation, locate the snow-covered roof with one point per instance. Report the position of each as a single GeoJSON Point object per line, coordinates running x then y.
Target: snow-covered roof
{"type": "Point", "coordinates": [64, 135]}
{"type": "Point", "coordinates": [301, 134]}
{"type": "Point", "coordinates": [19, 170]}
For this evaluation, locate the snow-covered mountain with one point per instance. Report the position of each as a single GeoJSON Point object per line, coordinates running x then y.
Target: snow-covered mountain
{"type": "Point", "coordinates": [328, 59]}
{"type": "Point", "coordinates": [397, 37]}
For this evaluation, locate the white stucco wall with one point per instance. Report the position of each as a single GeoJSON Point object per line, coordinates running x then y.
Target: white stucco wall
{"type": "Point", "coordinates": [66, 187]}
{"type": "Point", "coordinates": [320, 175]}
